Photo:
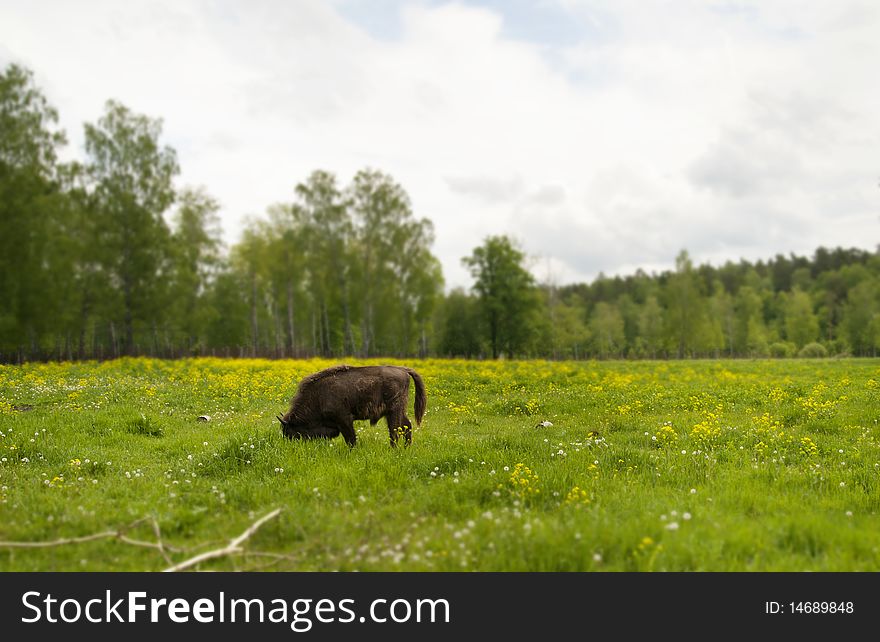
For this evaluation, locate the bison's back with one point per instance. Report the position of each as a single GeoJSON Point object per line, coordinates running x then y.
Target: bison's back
{"type": "Point", "coordinates": [365, 391]}
{"type": "Point", "coordinates": [355, 378]}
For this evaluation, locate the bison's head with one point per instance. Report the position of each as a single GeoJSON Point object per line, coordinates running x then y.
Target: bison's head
{"type": "Point", "coordinates": [287, 429]}
{"type": "Point", "coordinates": [300, 431]}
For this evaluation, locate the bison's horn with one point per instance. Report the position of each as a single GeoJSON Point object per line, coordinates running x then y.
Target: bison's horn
{"type": "Point", "coordinates": [278, 417]}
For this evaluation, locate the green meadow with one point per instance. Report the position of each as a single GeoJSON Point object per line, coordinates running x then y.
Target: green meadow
{"type": "Point", "coordinates": [768, 465]}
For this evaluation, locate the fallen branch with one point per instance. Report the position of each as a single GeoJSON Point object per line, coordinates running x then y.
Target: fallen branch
{"type": "Point", "coordinates": [233, 548]}
{"type": "Point", "coordinates": [60, 542]}
{"type": "Point", "coordinates": [119, 534]}
{"type": "Point", "coordinates": [158, 533]}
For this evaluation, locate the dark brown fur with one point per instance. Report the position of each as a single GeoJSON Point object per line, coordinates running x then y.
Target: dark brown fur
{"type": "Point", "coordinates": [328, 402]}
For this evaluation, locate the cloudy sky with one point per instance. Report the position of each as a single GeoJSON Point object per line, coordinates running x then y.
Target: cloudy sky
{"type": "Point", "coordinates": [604, 135]}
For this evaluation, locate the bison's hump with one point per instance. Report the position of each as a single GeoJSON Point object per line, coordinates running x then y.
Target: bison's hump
{"type": "Point", "coordinates": [323, 374]}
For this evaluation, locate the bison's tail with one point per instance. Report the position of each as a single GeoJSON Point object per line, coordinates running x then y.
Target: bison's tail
{"type": "Point", "coordinates": [421, 397]}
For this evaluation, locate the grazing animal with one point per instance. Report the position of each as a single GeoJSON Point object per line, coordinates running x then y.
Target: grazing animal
{"type": "Point", "coordinates": [328, 402]}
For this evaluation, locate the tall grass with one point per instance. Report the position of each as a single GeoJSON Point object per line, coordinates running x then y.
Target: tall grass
{"type": "Point", "coordinates": [646, 466]}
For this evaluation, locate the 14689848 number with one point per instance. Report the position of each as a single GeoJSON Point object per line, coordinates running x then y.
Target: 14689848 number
{"type": "Point", "coordinates": [821, 607]}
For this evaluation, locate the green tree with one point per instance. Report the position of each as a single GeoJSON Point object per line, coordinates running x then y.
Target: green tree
{"type": "Point", "coordinates": [801, 278]}
{"type": "Point", "coordinates": [721, 309]}
{"type": "Point", "coordinates": [651, 326]}
{"type": "Point", "coordinates": [398, 279]}
{"type": "Point", "coordinates": [422, 292]}
{"type": "Point", "coordinates": [629, 312]}
{"type": "Point", "coordinates": [132, 186]}
{"type": "Point", "coordinates": [684, 310]}
{"type": "Point", "coordinates": [859, 317]}
{"type": "Point", "coordinates": [196, 259]}
{"type": "Point", "coordinates": [327, 230]}
{"type": "Point", "coordinates": [570, 334]}
{"type": "Point", "coordinates": [32, 276]}
{"type": "Point", "coordinates": [250, 260]}
{"type": "Point", "coordinates": [607, 330]}
{"type": "Point", "coordinates": [379, 207]}
{"type": "Point", "coordinates": [288, 272]}
{"type": "Point", "coordinates": [561, 333]}
{"type": "Point", "coordinates": [831, 289]}
{"type": "Point", "coordinates": [458, 324]}
{"type": "Point", "coordinates": [71, 263]}
{"type": "Point", "coordinates": [352, 268]}
{"type": "Point", "coordinates": [751, 332]}
{"type": "Point", "coordinates": [711, 337]}
{"type": "Point", "coordinates": [801, 324]}
{"type": "Point", "coordinates": [506, 292]}
{"type": "Point", "coordinates": [227, 321]}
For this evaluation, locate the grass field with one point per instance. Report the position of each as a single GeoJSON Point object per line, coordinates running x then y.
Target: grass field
{"type": "Point", "coordinates": [648, 466]}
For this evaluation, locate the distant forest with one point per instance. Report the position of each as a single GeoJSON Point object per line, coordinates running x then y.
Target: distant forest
{"type": "Point", "coordinates": [106, 257]}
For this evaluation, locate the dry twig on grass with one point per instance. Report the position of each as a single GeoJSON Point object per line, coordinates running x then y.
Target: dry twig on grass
{"type": "Point", "coordinates": [60, 542]}
{"type": "Point", "coordinates": [233, 548]}
{"type": "Point", "coordinates": [119, 534]}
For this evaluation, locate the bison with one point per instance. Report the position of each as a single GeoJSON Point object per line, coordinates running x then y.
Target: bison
{"type": "Point", "coordinates": [328, 402]}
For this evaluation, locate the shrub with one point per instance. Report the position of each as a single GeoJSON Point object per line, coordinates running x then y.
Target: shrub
{"type": "Point", "coordinates": [782, 349]}
{"type": "Point", "coordinates": [813, 351]}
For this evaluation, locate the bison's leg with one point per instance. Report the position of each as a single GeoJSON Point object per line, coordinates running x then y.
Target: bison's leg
{"type": "Point", "coordinates": [346, 426]}
{"type": "Point", "coordinates": [399, 424]}
{"type": "Point", "coordinates": [393, 420]}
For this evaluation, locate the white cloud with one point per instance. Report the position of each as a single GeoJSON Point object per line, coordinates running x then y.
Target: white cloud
{"type": "Point", "coordinates": [488, 189]}
{"type": "Point", "coordinates": [730, 128]}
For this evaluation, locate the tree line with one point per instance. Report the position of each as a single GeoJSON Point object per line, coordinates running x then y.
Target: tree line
{"type": "Point", "coordinates": [106, 257]}
{"type": "Point", "coordinates": [824, 305]}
